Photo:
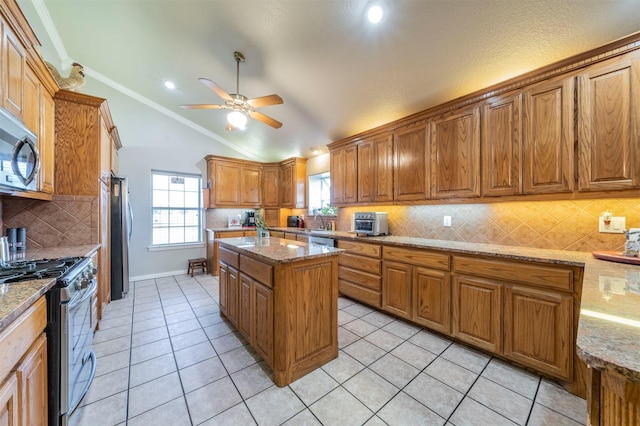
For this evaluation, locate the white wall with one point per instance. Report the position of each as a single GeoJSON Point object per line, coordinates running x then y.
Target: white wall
{"type": "Point", "coordinates": [151, 140]}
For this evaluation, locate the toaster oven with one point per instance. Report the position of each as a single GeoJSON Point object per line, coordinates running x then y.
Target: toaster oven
{"type": "Point", "coordinates": [371, 223]}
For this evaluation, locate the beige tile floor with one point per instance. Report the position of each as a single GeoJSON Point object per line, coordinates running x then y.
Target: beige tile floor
{"type": "Point", "coordinates": [167, 357]}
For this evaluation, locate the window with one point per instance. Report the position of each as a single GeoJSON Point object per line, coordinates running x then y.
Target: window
{"type": "Point", "coordinates": [320, 194]}
{"type": "Point", "coordinates": [175, 208]}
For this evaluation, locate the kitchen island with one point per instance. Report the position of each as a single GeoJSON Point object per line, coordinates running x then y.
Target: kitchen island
{"type": "Point", "coordinates": [282, 295]}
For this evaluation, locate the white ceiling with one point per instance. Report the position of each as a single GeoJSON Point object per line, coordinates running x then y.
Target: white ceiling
{"type": "Point", "coordinates": [338, 74]}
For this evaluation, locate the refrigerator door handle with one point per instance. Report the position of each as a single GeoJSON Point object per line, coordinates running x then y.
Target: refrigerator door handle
{"type": "Point", "coordinates": [130, 220]}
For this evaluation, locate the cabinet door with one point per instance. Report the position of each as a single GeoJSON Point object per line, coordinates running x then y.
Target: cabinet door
{"type": "Point", "coordinates": [244, 309]}
{"type": "Point", "coordinates": [270, 183]}
{"type": "Point", "coordinates": [14, 62]}
{"type": "Point", "coordinates": [233, 290]}
{"type": "Point", "coordinates": [9, 408]}
{"type": "Point", "coordinates": [411, 164]}
{"type": "Point", "coordinates": [396, 288]}
{"type": "Point", "coordinates": [538, 330]}
{"type": "Point", "coordinates": [432, 299]}
{"type": "Point", "coordinates": [227, 184]}
{"type": "Point", "coordinates": [32, 384]}
{"type": "Point", "coordinates": [223, 284]}
{"type": "Point", "coordinates": [501, 146]}
{"type": "Point", "coordinates": [366, 171]}
{"type": "Point", "coordinates": [46, 142]}
{"type": "Point", "coordinates": [250, 187]}
{"type": "Point", "coordinates": [548, 137]}
{"type": "Point", "coordinates": [477, 312]}
{"type": "Point", "coordinates": [455, 154]}
{"type": "Point", "coordinates": [262, 332]}
{"type": "Point", "coordinates": [286, 185]}
{"type": "Point", "coordinates": [609, 126]}
{"type": "Point", "coordinates": [344, 179]}
{"type": "Point", "coordinates": [375, 171]}
{"type": "Point", "coordinates": [31, 115]}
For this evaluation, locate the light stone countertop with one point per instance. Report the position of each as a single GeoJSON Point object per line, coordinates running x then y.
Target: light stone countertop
{"type": "Point", "coordinates": [278, 250]}
{"type": "Point", "coordinates": [15, 298]}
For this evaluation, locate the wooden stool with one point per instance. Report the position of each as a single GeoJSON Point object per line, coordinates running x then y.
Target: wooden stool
{"type": "Point", "coordinates": [200, 262]}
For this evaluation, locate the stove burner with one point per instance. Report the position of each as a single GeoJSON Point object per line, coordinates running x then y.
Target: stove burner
{"type": "Point", "coordinates": [23, 270]}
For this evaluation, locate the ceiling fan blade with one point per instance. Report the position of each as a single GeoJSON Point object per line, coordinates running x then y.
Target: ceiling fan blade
{"type": "Point", "coordinates": [265, 101]}
{"type": "Point", "coordinates": [266, 120]}
{"type": "Point", "coordinates": [203, 106]}
{"type": "Point", "coordinates": [211, 85]}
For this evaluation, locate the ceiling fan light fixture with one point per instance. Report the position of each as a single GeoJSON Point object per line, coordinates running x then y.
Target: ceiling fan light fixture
{"type": "Point", "coordinates": [375, 14]}
{"type": "Point", "coordinates": [237, 119]}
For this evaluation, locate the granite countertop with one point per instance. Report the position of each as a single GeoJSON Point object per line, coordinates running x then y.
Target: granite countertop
{"type": "Point", "coordinates": [608, 335]}
{"type": "Point", "coordinates": [278, 250]}
{"type": "Point", "coordinates": [15, 298]}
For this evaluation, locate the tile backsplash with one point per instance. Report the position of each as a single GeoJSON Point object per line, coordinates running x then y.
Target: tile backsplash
{"type": "Point", "coordinates": [562, 225]}
{"type": "Point", "coordinates": [66, 220]}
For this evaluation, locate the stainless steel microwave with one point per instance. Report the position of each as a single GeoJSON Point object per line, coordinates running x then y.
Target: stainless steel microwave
{"type": "Point", "coordinates": [19, 157]}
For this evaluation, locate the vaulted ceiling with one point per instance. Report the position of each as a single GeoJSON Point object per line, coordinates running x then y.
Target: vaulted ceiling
{"type": "Point", "coordinates": [337, 73]}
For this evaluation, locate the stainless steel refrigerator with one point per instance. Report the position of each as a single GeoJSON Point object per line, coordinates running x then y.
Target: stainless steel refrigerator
{"type": "Point", "coordinates": [121, 228]}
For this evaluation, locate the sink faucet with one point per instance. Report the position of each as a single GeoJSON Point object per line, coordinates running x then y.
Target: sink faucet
{"type": "Point", "coordinates": [321, 219]}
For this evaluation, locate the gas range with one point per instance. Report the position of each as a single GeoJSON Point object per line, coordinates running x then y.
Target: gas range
{"type": "Point", "coordinates": [23, 270]}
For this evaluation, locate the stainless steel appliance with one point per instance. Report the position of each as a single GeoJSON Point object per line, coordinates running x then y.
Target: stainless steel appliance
{"type": "Point", "coordinates": [371, 223]}
{"type": "Point", "coordinates": [121, 229]}
{"type": "Point", "coordinates": [249, 218]}
{"type": "Point", "coordinates": [71, 362]}
{"type": "Point", "coordinates": [19, 157]}
{"type": "Point", "coordinates": [322, 241]}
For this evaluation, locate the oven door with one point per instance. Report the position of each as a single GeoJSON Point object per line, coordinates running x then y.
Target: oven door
{"type": "Point", "coordinates": [80, 359]}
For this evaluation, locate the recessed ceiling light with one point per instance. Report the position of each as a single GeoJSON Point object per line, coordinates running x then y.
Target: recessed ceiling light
{"type": "Point", "coordinates": [375, 14]}
{"type": "Point", "coordinates": [169, 84]}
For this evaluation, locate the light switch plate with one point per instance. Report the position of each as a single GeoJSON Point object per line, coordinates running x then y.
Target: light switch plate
{"type": "Point", "coordinates": [616, 226]}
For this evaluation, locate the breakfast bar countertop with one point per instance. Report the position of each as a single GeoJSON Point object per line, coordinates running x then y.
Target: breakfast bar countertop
{"type": "Point", "coordinates": [279, 250]}
{"type": "Point", "coordinates": [15, 298]}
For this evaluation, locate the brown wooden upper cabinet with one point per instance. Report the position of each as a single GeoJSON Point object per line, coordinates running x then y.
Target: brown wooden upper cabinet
{"type": "Point", "coordinates": [411, 163]}
{"type": "Point", "coordinates": [375, 169]}
{"type": "Point", "coordinates": [548, 157]}
{"type": "Point", "coordinates": [234, 183]}
{"type": "Point", "coordinates": [609, 125]}
{"type": "Point", "coordinates": [344, 183]}
{"type": "Point", "coordinates": [270, 185]}
{"type": "Point", "coordinates": [502, 145]}
{"type": "Point", "coordinates": [455, 154]}
{"type": "Point", "coordinates": [293, 183]}
{"type": "Point", "coordinates": [13, 69]}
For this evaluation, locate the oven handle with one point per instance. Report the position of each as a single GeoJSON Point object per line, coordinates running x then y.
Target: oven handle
{"type": "Point", "coordinates": [91, 355]}
{"type": "Point", "coordinates": [87, 294]}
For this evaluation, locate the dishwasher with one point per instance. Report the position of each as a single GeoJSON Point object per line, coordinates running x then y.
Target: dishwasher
{"type": "Point", "coordinates": [322, 241]}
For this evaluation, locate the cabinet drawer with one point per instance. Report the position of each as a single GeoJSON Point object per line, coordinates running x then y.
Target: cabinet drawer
{"type": "Point", "coordinates": [545, 276]}
{"type": "Point", "coordinates": [229, 257]}
{"type": "Point", "coordinates": [417, 257]}
{"type": "Point", "coordinates": [257, 270]}
{"type": "Point", "coordinates": [361, 278]}
{"type": "Point", "coordinates": [364, 295]}
{"type": "Point", "coordinates": [303, 238]}
{"type": "Point", "coordinates": [363, 249]}
{"type": "Point", "coordinates": [229, 234]}
{"type": "Point", "coordinates": [365, 264]}
{"type": "Point", "coordinates": [277, 234]}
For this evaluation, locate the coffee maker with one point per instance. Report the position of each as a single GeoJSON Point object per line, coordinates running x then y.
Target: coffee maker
{"type": "Point", "coordinates": [249, 218]}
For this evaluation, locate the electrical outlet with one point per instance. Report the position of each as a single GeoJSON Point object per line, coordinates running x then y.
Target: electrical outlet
{"type": "Point", "coordinates": [447, 221]}
{"type": "Point", "coordinates": [612, 224]}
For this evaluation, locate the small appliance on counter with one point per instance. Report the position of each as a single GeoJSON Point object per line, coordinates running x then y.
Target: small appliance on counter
{"type": "Point", "coordinates": [371, 223]}
{"type": "Point", "coordinates": [249, 218]}
{"type": "Point", "coordinates": [292, 221]}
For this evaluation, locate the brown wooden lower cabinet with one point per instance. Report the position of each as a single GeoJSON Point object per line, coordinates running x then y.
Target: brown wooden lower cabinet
{"type": "Point", "coordinates": [612, 399]}
{"type": "Point", "coordinates": [523, 311]}
{"type": "Point", "coordinates": [538, 330]}
{"type": "Point", "coordinates": [287, 311]}
{"type": "Point", "coordinates": [477, 312]}
{"type": "Point", "coordinates": [359, 272]}
{"type": "Point", "coordinates": [23, 368]}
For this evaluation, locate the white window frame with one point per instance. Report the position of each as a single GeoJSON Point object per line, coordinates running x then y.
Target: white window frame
{"type": "Point", "coordinates": [198, 209]}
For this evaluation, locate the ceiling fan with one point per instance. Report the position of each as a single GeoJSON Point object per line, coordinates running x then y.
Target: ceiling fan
{"type": "Point", "coordinates": [240, 105]}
